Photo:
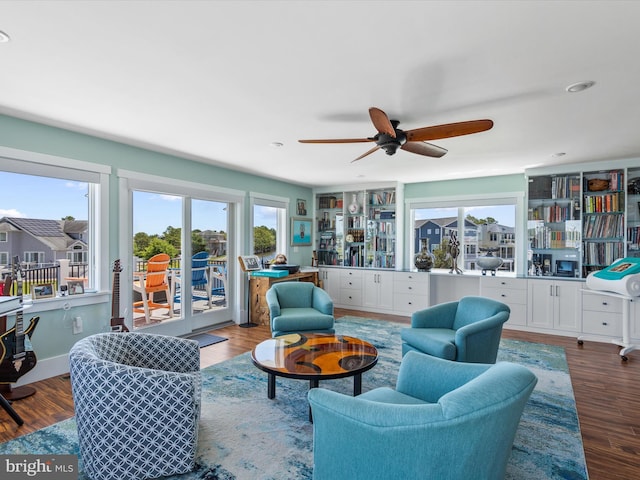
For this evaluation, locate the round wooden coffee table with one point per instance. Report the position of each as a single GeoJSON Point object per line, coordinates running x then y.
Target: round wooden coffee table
{"type": "Point", "coordinates": [314, 357]}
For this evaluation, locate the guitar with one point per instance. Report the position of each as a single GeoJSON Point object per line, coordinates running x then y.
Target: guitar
{"type": "Point", "coordinates": [16, 351]}
{"type": "Point", "coordinates": [117, 323]}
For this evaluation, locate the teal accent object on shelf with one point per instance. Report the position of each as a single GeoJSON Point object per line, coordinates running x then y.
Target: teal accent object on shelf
{"type": "Point", "coordinates": [270, 273]}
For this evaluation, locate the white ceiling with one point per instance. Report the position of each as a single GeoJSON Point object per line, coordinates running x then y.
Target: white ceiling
{"type": "Point", "coordinates": [219, 81]}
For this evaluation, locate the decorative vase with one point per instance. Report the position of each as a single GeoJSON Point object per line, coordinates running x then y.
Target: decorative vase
{"type": "Point", "coordinates": [489, 262]}
{"type": "Point", "coordinates": [424, 258]}
{"type": "Point", "coordinates": [353, 206]}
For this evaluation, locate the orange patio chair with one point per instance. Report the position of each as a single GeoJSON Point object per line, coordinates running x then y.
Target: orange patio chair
{"type": "Point", "coordinates": [155, 279]}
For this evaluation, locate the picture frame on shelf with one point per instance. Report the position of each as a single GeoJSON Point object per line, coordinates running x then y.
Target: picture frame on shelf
{"type": "Point", "coordinates": [249, 263]}
{"type": "Point", "coordinates": [301, 207]}
{"type": "Point", "coordinates": [75, 287]}
{"type": "Point", "coordinates": [301, 231]}
{"type": "Point", "coordinates": [43, 290]}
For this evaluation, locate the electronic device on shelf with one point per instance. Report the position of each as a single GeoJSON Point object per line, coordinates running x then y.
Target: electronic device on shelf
{"type": "Point", "coordinates": [566, 268]}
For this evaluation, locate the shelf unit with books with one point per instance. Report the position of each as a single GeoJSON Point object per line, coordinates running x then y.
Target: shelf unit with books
{"type": "Point", "coordinates": [633, 212]}
{"type": "Point", "coordinates": [603, 210]}
{"type": "Point", "coordinates": [553, 223]}
{"type": "Point", "coordinates": [357, 228]}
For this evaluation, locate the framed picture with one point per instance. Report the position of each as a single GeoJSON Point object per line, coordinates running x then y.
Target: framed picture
{"type": "Point", "coordinates": [301, 231]}
{"type": "Point", "coordinates": [249, 263]}
{"type": "Point", "coordinates": [43, 290]}
{"type": "Point", "coordinates": [301, 207]}
{"type": "Point", "coordinates": [76, 287]}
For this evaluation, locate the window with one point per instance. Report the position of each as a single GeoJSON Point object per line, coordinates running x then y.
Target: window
{"type": "Point", "coordinates": [64, 218]}
{"type": "Point", "coordinates": [481, 226]}
{"type": "Point", "coordinates": [269, 227]}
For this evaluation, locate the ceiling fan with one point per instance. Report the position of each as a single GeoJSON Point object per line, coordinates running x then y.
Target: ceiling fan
{"type": "Point", "coordinates": [390, 137]}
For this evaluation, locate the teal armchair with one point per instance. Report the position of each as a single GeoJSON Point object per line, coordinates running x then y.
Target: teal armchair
{"type": "Point", "coordinates": [467, 330]}
{"type": "Point", "coordinates": [444, 421]}
{"type": "Point", "coordinates": [298, 307]}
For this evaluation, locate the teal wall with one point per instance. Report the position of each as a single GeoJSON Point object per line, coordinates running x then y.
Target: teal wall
{"type": "Point", "coordinates": [466, 186]}
{"type": "Point", "coordinates": [53, 335]}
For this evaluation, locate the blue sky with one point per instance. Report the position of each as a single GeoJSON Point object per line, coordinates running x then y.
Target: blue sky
{"type": "Point", "coordinates": [31, 196]}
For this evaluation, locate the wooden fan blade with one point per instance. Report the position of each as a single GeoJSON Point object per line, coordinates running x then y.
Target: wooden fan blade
{"type": "Point", "coordinates": [339, 140]}
{"type": "Point", "coordinates": [423, 148]}
{"type": "Point", "coordinates": [448, 130]}
{"type": "Point", "coordinates": [365, 154]}
{"type": "Point", "coordinates": [381, 122]}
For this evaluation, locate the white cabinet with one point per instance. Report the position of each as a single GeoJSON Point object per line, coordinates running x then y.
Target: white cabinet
{"type": "Point", "coordinates": [601, 315]}
{"type": "Point", "coordinates": [510, 291]}
{"type": "Point", "coordinates": [330, 278]}
{"type": "Point", "coordinates": [350, 288]}
{"type": "Point", "coordinates": [555, 304]}
{"type": "Point", "coordinates": [378, 289]}
{"type": "Point", "coordinates": [410, 292]}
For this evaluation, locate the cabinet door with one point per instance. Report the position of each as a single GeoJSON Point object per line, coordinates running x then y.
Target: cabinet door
{"type": "Point", "coordinates": [541, 303]}
{"type": "Point", "coordinates": [330, 282]}
{"type": "Point", "coordinates": [378, 289]}
{"type": "Point", "coordinates": [568, 306]}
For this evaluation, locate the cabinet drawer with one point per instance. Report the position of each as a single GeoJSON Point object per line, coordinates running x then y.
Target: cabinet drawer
{"type": "Point", "coordinates": [357, 274]}
{"type": "Point", "coordinates": [348, 282]}
{"type": "Point", "coordinates": [411, 277]}
{"type": "Point", "coordinates": [601, 303]}
{"type": "Point", "coordinates": [503, 282]}
{"type": "Point", "coordinates": [409, 303]}
{"type": "Point", "coordinates": [351, 297]}
{"type": "Point", "coordinates": [600, 323]}
{"type": "Point", "coordinates": [504, 295]}
{"type": "Point", "coordinates": [411, 288]}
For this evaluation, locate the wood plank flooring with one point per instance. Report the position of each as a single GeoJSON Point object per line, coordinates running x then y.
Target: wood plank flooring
{"type": "Point", "coordinates": [607, 393]}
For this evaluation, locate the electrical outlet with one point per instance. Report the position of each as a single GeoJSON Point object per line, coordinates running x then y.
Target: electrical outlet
{"type": "Point", "coordinates": [77, 325]}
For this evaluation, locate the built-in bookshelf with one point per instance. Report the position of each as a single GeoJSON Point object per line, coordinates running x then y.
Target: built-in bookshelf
{"type": "Point", "coordinates": [581, 222]}
{"type": "Point", "coordinates": [357, 228]}
{"type": "Point", "coordinates": [553, 223]}
{"type": "Point", "coordinates": [603, 230]}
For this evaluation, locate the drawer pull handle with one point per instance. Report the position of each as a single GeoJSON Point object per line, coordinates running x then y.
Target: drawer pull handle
{"type": "Point", "coordinates": [502, 283]}
{"type": "Point", "coordinates": [502, 295]}
{"type": "Point", "coordinates": [605, 303]}
{"type": "Point", "coordinates": [410, 288]}
{"type": "Point", "coordinates": [604, 323]}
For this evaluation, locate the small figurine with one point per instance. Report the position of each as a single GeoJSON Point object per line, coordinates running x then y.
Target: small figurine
{"type": "Point", "coordinates": [280, 259]}
{"type": "Point", "coordinates": [453, 252]}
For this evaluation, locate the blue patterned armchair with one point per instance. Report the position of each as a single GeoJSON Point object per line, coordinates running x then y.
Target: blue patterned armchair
{"type": "Point", "coordinates": [468, 330]}
{"type": "Point", "coordinates": [299, 307]}
{"type": "Point", "coordinates": [137, 404]}
{"type": "Point", "coordinates": [444, 421]}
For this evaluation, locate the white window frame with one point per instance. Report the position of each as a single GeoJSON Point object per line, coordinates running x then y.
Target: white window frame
{"type": "Point", "coordinates": [461, 202]}
{"type": "Point", "coordinates": [282, 204]}
{"type": "Point", "coordinates": [97, 176]}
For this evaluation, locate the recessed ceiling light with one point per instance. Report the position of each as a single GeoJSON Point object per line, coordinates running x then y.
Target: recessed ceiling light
{"type": "Point", "coordinates": [4, 38]}
{"type": "Point", "coordinates": [276, 144]}
{"type": "Point", "coordinates": [580, 86]}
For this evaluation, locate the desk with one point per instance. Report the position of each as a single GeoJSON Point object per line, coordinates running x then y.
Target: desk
{"type": "Point", "coordinates": [258, 286]}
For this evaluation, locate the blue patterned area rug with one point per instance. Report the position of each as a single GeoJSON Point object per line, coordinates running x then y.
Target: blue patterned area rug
{"type": "Point", "coordinates": [244, 435]}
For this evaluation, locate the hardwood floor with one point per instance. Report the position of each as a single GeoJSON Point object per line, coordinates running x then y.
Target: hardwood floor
{"type": "Point", "coordinates": [607, 393]}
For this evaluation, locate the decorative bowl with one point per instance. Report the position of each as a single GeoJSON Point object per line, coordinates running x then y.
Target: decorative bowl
{"type": "Point", "coordinates": [283, 266]}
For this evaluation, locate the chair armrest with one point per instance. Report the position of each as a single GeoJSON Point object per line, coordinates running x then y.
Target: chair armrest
{"type": "Point", "coordinates": [274, 305]}
{"type": "Point", "coordinates": [322, 301]}
{"type": "Point", "coordinates": [429, 378]}
{"type": "Point", "coordinates": [438, 316]}
{"type": "Point", "coordinates": [495, 321]}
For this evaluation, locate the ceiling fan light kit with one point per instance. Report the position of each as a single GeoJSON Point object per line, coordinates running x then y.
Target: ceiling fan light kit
{"type": "Point", "coordinates": [389, 137]}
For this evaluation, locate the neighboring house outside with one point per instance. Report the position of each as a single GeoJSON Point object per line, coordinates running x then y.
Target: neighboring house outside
{"type": "Point", "coordinates": [39, 242]}
{"type": "Point", "coordinates": [216, 242]}
{"type": "Point", "coordinates": [494, 235]}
